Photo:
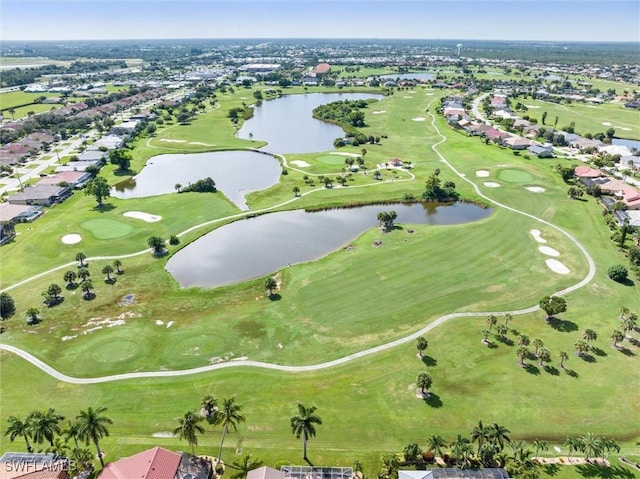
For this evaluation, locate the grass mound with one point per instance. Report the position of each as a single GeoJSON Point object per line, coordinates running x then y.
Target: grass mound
{"type": "Point", "coordinates": [107, 229]}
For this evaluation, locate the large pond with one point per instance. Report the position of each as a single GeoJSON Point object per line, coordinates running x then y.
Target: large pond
{"type": "Point", "coordinates": [236, 173]}
{"type": "Point", "coordinates": [289, 127]}
{"type": "Point", "coordinates": [255, 247]}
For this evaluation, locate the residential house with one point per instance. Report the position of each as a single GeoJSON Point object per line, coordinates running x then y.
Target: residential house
{"type": "Point", "coordinates": [621, 150]}
{"type": "Point", "coordinates": [78, 166]}
{"type": "Point", "coordinates": [12, 214]}
{"type": "Point", "coordinates": [110, 142]}
{"type": "Point", "coordinates": [265, 472]}
{"type": "Point", "coordinates": [586, 172]}
{"type": "Point", "coordinates": [621, 191]}
{"type": "Point", "coordinates": [29, 465]}
{"type": "Point", "coordinates": [584, 143]}
{"type": "Point", "coordinates": [95, 156]}
{"type": "Point", "coordinates": [158, 463]}
{"type": "Point", "coordinates": [517, 143]}
{"type": "Point", "coordinates": [541, 151]}
{"type": "Point", "coordinates": [45, 195]}
{"type": "Point", "coordinates": [455, 473]}
{"type": "Point", "coordinates": [496, 135]}
{"type": "Point", "coordinates": [75, 179]}
{"type": "Point", "coordinates": [629, 161]}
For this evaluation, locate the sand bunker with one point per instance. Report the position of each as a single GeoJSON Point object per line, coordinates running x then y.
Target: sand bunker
{"type": "Point", "coordinates": [532, 106]}
{"type": "Point", "coordinates": [535, 189]}
{"type": "Point", "coordinates": [491, 184]}
{"type": "Point", "coordinates": [606, 123]}
{"type": "Point", "coordinates": [72, 238]}
{"type": "Point", "coordinates": [556, 266]}
{"type": "Point", "coordinates": [549, 251]}
{"type": "Point", "coordinates": [139, 215]}
{"type": "Point", "coordinates": [300, 163]}
{"type": "Point", "coordinates": [482, 173]}
{"type": "Point", "coordinates": [342, 153]}
{"type": "Point", "coordinates": [407, 96]}
{"type": "Point", "coordinates": [537, 237]}
{"type": "Point", "coordinates": [420, 118]}
{"type": "Point", "coordinates": [625, 129]}
{"type": "Point", "coordinates": [378, 112]}
{"type": "Point", "coordinates": [200, 143]}
{"type": "Point", "coordinates": [169, 140]}
{"type": "Point", "coordinates": [429, 94]}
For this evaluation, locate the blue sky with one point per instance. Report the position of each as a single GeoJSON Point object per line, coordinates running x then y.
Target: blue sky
{"type": "Point", "coordinates": [553, 20]}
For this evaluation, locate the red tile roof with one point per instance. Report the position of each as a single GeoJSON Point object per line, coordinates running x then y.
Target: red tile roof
{"type": "Point", "coordinates": [322, 69]}
{"type": "Point", "coordinates": [156, 463]}
{"type": "Point", "coordinates": [587, 172]}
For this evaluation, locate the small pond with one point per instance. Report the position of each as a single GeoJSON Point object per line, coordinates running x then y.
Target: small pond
{"type": "Point", "coordinates": [255, 247]}
{"type": "Point", "coordinates": [236, 173]}
{"type": "Point", "coordinates": [288, 125]}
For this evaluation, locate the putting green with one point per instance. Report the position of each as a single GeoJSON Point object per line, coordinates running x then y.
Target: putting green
{"type": "Point", "coordinates": [115, 351]}
{"type": "Point", "coordinates": [515, 176]}
{"type": "Point", "coordinates": [107, 229]}
{"type": "Point", "coordinates": [332, 160]}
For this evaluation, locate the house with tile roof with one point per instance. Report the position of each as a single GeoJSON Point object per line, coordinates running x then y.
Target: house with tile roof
{"type": "Point", "coordinates": [158, 463]}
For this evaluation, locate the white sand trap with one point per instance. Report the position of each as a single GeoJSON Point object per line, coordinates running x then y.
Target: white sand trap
{"type": "Point", "coordinates": [429, 94]}
{"type": "Point", "coordinates": [535, 189]}
{"type": "Point", "coordinates": [491, 184]}
{"type": "Point", "coordinates": [556, 266]}
{"type": "Point", "coordinates": [72, 238]}
{"type": "Point", "coordinates": [169, 140]}
{"type": "Point", "coordinates": [407, 96]}
{"type": "Point", "coordinates": [606, 123]}
{"type": "Point", "coordinates": [169, 324]}
{"type": "Point", "coordinates": [536, 236]}
{"type": "Point", "coordinates": [342, 153]}
{"type": "Point", "coordinates": [420, 118]}
{"type": "Point", "coordinates": [549, 251]}
{"type": "Point", "coordinates": [625, 129]}
{"type": "Point", "coordinates": [139, 215]}
{"type": "Point", "coordinates": [532, 106]}
{"type": "Point", "coordinates": [482, 173]}
{"type": "Point", "coordinates": [159, 322]}
{"type": "Point", "coordinates": [379, 112]}
{"type": "Point", "coordinates": [300, 163]}
{"type": "Point", "coordinates": [200, 143]}
{"type": "Point", "coordinates": [411, 91]}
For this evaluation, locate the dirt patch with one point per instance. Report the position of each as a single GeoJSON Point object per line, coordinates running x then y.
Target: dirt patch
{"type": "Point", "coordinates": [377, 243]}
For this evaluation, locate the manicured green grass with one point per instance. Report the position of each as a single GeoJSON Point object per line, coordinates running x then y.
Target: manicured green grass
{"type": "Point", "coordinates": [345, 302]}
{"type": "Point", "coordinates": [589, 118]}
{"type": "Point", "coordinates": [515, 176]}
{"type": "Point", "coordinates": [107, 229]}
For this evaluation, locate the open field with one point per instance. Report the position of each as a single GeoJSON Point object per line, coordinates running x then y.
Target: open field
{"type": "Point", "coordinates": [343, 303]}
{"type": "Point", "coordinates": [589, 118]}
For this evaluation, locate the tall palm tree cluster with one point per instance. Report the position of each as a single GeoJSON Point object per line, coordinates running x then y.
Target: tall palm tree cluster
{"type": "Point", "coordinates": [489, 445]}
{"type": "Point", "coordinates": [47, 426]}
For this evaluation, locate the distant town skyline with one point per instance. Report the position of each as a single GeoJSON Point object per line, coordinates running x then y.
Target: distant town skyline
{"type": "Point", "coordinates": [540, 20]}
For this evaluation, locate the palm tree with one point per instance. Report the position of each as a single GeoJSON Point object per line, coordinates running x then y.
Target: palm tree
{"type": "Point", "coordinates": [543, 356]}
{"type": "Point", "coordinates": [12, 112]}
{"type": "Point", "coordinates": [581, 347]}
{"type": "Point", "coordinates": [507, 317]}
{"type": "Point", "coordinates": [228, 416]}
{"type": "Point", "coordinates": [83, 273]}
{"type": "Point", "coordinates": [617, 336]}
{"type": "Point", "coordinates": [462, 449]}
{"type": "Point", "coordinates": [537, 344]}
{"type": "Point", "coordinates": [189, 429]}
{"type": "Point", "coordinates": [87, 286]}
{"type": "Point", "coordinates": [624, 311]}
{"type": "Point", "coordinates": [303, 424]}
{"type": "Point", "coordinates": [540, 445]}
{"type": "Point", "coordinates": [421, 345]}
{"type": "Point", "coordinates": [629, 323]}
{"type": "Point", "coordinates": [44, 425]}
{"type": "Point", "coordinates": [424, 381]}
{"type": "Point", "coordinates": [70, 277]}
{"type": "Point", "coordinates": [81, 461]}
{"type": "Point", "coordinates": [609, 446]}
{"type": "Point", "coordinates": [59, 447]}
{"type": "Point", "coordinates": [485, 336]}
{"type": "Point", "coordinates": [574, 444]}
{"type": "Point", "coordinates": [563, 357]}
{"type": "Point", "coordinates": [491, 321]}
{"type": "Point", "coordinates": [436, 443]}
{"type": "Point", "coordinates": [518, 448]}
{"type": "Point", "coordinates": [589, 335]}
{"type": "Point", "coordinates": [270, 284]}
{"type": "Point", "coordinates": [522, 352]}
{"type": "Point", "coordinates": [592, 445]}
{"type": "Point", "coordinates": [92, 426]}
{"type": "Point", "coordinates": [107, 269]}
{"type": "Point", "coordinates": [479, 434]}
{"type": "Point", "coordinates": [523, 340]}
{"type": "Point", "coordinates": [117, 264]}
{"type": "Point", "coordinates": [245, 466]}
{"type": "Point", "coordinates": [32, 315]}
{"type": "Point", "coordinates": [71, 431]}
{"type": "Point", "coordinates": [178, 187]}
{"type": "Point", "coordinates": [209, 404]}
{"type": "Point", "coordinates": [80, 257]}
{"type": "Point", "coordinates": [18, 427]}
{"type": "Point", "coordinates": [498, 435]}
{"type": "Point", "coordinates": [502, 330]}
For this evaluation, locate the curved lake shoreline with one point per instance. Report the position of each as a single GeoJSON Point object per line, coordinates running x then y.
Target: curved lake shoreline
{"type": "Point", "coordinates": [252, 248]}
